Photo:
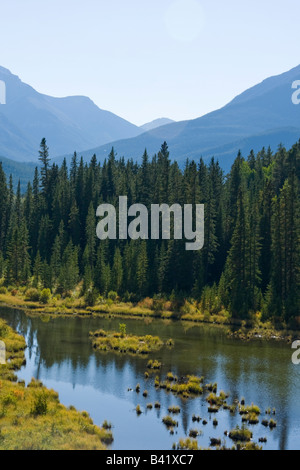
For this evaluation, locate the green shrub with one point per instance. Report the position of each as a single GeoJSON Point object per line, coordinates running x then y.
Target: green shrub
{"type": "Point", "coordinates": [122, 328]}
{"type": "Point", "coordinates": [3, 290]}
{"type": "Point", "coordinates": [112, 296]}
{"type": "Point", "coordinates": [32, 295]}
{"type": "Point", "coordinates": [45, 296]}
{"type": "Point", "coordinates": [40, 404]}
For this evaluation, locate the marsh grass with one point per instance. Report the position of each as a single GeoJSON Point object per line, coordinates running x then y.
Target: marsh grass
{"type": "Point", "coordinates": [125, 343]}
{"type": "Point", "coordinates": [169, 422]}
{"type": "Point", "coordinates": [174, 410]}
{"type": "Point", "coordinates": [241, 434]}
{"type": "Point", "coordinates": [190, 386]}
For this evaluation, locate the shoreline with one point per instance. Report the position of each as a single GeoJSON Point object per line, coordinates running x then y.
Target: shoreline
{"type": "Point", "coordinates": [32, 417]}
{"type": "Point", "coordinates": [237, 329]}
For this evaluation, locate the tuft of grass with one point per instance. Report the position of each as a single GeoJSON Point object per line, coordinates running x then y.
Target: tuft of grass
{"type": "Point", "coordinates": [186, 444]}
{"type": "Point", "coordinates": [241, 435]}
{"type": "Point", "coordinates": [154, 365]}
{"type": "Point", "coordinates": [174, 410]}
{"type": "Point", "coordinates": [169, 422]}
{"type": "Point", "coordinates": [272, 424]}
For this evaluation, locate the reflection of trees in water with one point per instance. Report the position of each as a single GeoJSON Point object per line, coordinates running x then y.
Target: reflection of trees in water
{"type": "Point", "coordinates": [256, 371]}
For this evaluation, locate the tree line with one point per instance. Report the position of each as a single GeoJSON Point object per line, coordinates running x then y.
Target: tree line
{"type": "Point", "coordinates": [250, 259]}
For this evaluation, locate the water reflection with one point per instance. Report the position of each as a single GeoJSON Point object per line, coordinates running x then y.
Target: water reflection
{"type": "Point", "coordinates": [59, 353]}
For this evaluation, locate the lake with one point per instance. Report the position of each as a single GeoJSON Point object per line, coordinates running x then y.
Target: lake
{"type": "Point", "coordinates": [60, 354]}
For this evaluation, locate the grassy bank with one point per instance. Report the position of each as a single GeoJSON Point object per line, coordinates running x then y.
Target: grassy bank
{"type": "Point", "coordinates": [32, 418]}
{"type": "Point", "coordinates": [253, 329]}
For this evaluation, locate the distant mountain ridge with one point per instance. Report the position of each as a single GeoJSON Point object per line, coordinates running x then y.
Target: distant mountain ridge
{"type": "Point", "coordinates": [69, 124]}
{"type": "Point", "coordinates": [264, 115]}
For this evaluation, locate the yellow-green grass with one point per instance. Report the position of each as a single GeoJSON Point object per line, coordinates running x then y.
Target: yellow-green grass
{"type": "Point", "coordinates": [191, 313]}
{"type": "Point", "coordinates": [241, 435]}
{"type": "Point", "coordinates": [32, 418]}
{"type": "Point", "coordinates": [191, 386]}
{"type": "Point", "coordinates": [124, 343]}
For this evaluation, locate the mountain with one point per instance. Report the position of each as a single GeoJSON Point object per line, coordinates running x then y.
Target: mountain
{"type": "Point", "coordinates": [69, 124]}
{"type": "Point", "coordinates": [261, 116]}
{"type": "Point", "coordinates": [19, 171]}
{"type": "Point", "coordinates": [156, 123]}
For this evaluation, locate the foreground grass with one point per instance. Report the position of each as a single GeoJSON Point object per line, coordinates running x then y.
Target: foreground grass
{"type": "Point", "coordinates": [124, 343]}
{"type": "Point", "coordinates": [32, 418]}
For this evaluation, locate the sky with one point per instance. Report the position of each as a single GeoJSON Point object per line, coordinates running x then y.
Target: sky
{"type": "Point", "coordinates": [143, 59]}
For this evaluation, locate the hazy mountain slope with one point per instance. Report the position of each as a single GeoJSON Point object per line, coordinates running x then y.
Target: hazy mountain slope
{"type": "Point", "coordinates": [19, 171]}
{"type": "Point", "coordinates": [72, 123]}
{"type": "Point", "coordinates": [260, 110]}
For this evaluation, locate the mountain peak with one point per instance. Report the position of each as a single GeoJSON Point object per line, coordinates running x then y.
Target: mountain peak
{"type": "Point", "coordinates": [70, 123]}
{"type": "Point", "coordinates": [156, 123]}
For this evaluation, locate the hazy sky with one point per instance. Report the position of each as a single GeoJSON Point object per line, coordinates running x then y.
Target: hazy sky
{"type": "Point", "coordinates": [148, 59]}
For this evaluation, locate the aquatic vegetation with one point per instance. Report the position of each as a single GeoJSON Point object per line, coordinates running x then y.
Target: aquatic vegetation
{"type": "Point", "coordinates": [213, 409]}
{"type": "Point", "coordinates": [169, 422]}
{"type": "Point", "coordinates": [186, 444]}
{"type": "Point", "coordinates": [138, 410]}
{"type": "Point", "coordinates": [241, 435]}
{"type": "Point", "coordinates": [194, 433]}
{"type": "Point", "coordinates": [154, 365]}
{"type": "Point", "coordinates": [125, 343]}
{"type": "Point", "coordinates": [250, 446]}
{"type": "Point", "coordinates": [186, 387]}
{"type": "Point", "coordinates": [215, 422]}
{"type": "Point", "coordinates": [138, 388]}
{"type": "Point", "coordinates": [249, 410]}
{"type": "Point", "coordinates": [174, 410]}
{"type": "Point", "coordinates": [145, 393]}
{"type": "Point", "coordinates": [171, 377]}
{"type": "Point", "coordinates": [157, 405]}
{"type": "Point", "coordinates": [106, 425]}
{"type": "Point", "coordinates": [146, 375]}
{"type": "Point", "coordinates": [215, 442]}
{"type": "Point", "coordinates": [149, 406]}
{"type": "Point", "coordinates": [196, 419]}
{"type": "Point", "coordinates": [272, 424]}
{"type": "Point", "coordinates": [212, 387]}
{"type": "Point", "coordinates": [215, 400]}
{"type": "Point", "coordinates": [252, 419]}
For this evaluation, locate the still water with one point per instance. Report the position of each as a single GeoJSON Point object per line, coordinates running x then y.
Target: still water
{"type": "Point", "coordinates": [59, 354]}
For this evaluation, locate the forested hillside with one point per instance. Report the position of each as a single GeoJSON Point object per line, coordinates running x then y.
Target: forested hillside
{"type": "Point", "coordinates": [249, 263]}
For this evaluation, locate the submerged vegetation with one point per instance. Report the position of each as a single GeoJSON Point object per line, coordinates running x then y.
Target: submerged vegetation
{"type": "Point", "coordinates": [32, 418]}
